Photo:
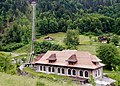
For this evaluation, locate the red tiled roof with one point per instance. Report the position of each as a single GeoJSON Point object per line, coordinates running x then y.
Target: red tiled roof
{"type": "Point", "coordinates": [38, 58]}
{"type": "Point", "coordinates": [84, 59]}
{"type": "Point", "coordinates": [95, 58]}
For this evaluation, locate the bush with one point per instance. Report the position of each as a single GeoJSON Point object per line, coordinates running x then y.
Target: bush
{"type": "Point", "coordinates": [42, 47]}
{"type": "Point", "coordinates": [11, 47]}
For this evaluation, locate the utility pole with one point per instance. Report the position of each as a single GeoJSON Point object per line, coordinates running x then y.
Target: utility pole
{"type": "Point", "coordinates": [33, 3]}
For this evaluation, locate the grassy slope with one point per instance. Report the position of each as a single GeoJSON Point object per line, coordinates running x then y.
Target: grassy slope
{"type": "Point", "coordinates": [59, 38]}
{"type": "Point", "coordinates": [14, 80]}
{"type": "Point", "coordinates": [52, 79]}
{"type": "Point", "coordinates": [48, 80]}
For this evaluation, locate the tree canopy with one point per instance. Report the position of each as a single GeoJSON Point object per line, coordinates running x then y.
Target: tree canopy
{"type": "Point", "coordinates": [109, 55]}
{"type": "Point", "coordinates": [88, 16]}
{"type": "Point", "coordinates": [72, 38]}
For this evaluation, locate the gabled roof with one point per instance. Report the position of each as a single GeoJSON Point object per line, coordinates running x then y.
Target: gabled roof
{"type": "Point", "coordinates": [52, 57]}
{"type": "Point", "coordinates": [84, 59]}
{"type": "Point", "coordinates": [72, 58]}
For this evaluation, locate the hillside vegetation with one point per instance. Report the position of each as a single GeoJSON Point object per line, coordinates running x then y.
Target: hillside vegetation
{"type": "Point", "coordinates": [87, 16]}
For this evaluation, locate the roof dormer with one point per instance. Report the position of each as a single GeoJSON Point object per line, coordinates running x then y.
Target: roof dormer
{"type": "Point", "coordinates": [72, 60]}
{"type": "Point", "coordinates": [52, 58]}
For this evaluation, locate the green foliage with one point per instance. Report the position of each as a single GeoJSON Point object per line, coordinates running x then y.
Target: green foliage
{"type": "Point", "coordinates": [93, 16]}
{"type": "Point", "coordinates": [19, 32]}
{"type": "Point", "coordinates": [42, 47]}
{"type": "Point", "coordinates": [40, 84]}
{"type": "Point", "coordinates": [11, 10]}
{"type": "Point", "coordinates": [6, 64]}
{"type": "Point", "coordinates": [91, 79]}
{"type": "Point", "coordinates": [111, 11]}
{"type": "Point", "coordinates": [11, 47]}
{"type": "Point", "coordinates": [70, 14]}
{"type": "Point", "coordinates": [95, 23]}
{"type": "Point", "coordinates": [109, 55]}
{"type": "Point", "coordinates": [72, 38]}
{"type": "Point", "coordinates": [115, 40]}
{"type": "Point", "coordinates": [117, 26]}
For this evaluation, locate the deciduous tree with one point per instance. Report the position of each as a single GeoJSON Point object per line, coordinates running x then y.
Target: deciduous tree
{"type": "Point", "coordinates": [109, 55]}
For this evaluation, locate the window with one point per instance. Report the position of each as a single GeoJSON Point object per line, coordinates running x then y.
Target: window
{"type": "Point", "coordinates": [44, 69]}
{"type": "Point", "coordinates": [98, 72]}
{"type": "Point", "coordinates": [53, 70]}
{"type": "Point", "coordinates": [71, 63]}
{"type": "Point", "coordinates": [69, 71]}
{"type": "Point", "coordinates": [49, 69]}
{"type": "Point", "coordinates": [86, 73]}
{"type": "Point", "coordinates": [63, 72]}
{"type": "Point", "coordinates": [41, 68]}
{"type": "Point", "coordinates": [58, 70]}
{"type": "Point", "coordinates": [81, 73]}
{"type": "Point", "coordinates": [74, 72]}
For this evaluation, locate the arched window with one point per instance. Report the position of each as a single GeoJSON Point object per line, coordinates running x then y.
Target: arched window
{"type": "Point", "coordinates": [74, 72]}
{"type": "Point", "coordinates": [86, 73]}
{"type": "Point", "coordinates": [49, 69]}
{"type": "Point", "coordinates": [81, 73]}
{"type": "Point", "coordinates": [63, 72]}
{"type": "Point", "coordinates": [44, 68]}
{"type": "Point", "coordinates": [41, 68]}
{"type": "Point", "coordinates": [58, 70]}
{"type": "Point", "coordinates": [53, 70]}
{"type": "Point", "coordinates": [69, 71]}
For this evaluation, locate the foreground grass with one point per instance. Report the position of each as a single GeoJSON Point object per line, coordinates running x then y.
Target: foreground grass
{"type": "Point", "coordinates": [51, 79]}
{"type": "Point", "coordinates": [14, 80]}
{"type": "Point", "coordinates": [40, 78]}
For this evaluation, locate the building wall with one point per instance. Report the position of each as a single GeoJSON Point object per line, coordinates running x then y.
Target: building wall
{"type": "Point", "coordinates": [98, 73]}
{"type": "Point", "coordinates": [74, 72]}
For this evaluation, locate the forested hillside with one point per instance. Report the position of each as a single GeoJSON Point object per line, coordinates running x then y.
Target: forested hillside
{"type": "Point", "coordinates": [88, 16]}
{"type": "Point", "coordinates": [95, 16]}
{"type": "Point", "coordinates": [15, 23]}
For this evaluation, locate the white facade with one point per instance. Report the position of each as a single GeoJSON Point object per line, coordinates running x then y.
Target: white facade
{"type": "Point", "coordinates": [65, 71]}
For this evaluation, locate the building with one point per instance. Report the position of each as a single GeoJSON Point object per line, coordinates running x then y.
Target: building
{"type": "Point", "coordinates": [103, 39]}
{"type": "Point", "coordinates": [73, 63]}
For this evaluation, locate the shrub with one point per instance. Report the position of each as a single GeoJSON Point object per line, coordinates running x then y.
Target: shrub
{"type": "Point", "coordinates": [42, 47]}
{"type": "Point", "coordinates": [11, 47]}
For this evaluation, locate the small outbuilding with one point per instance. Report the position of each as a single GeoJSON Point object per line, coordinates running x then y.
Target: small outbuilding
{"type": "Point", "coordinates": [48, 38]}
{"type": "Point", "coordinates": [103, 39]}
